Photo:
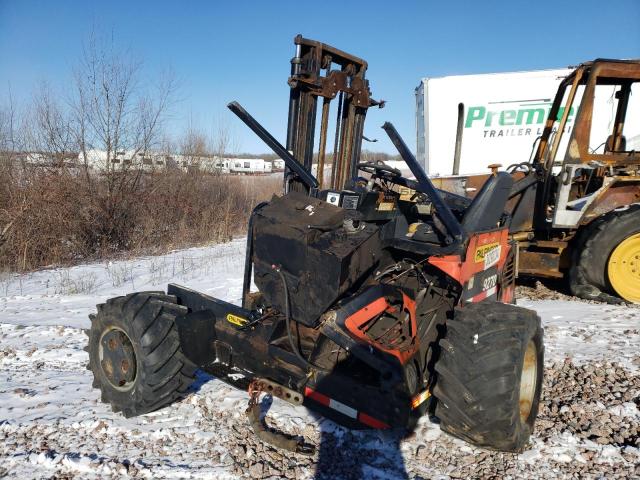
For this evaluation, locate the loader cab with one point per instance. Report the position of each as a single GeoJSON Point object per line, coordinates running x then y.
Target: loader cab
{"type": "Point", "coordinates": [591, 141]}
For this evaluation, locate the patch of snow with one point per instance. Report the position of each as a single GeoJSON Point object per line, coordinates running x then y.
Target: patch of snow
{"type": "Point", "coordinates": [53, 423]}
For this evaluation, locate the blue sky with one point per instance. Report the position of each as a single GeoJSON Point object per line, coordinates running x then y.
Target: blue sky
{"type": "Point", "coordinates": [240, 50]}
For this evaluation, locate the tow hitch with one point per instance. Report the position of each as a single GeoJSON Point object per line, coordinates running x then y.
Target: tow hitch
{"type": "Point", "coordinates": [262, 430]}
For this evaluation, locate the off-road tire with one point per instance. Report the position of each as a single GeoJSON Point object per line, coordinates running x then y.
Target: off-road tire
{"type": "Point", "coordinates": [588, 277]}
{"type": "Point", "coordinates": [479, 371]}
{"type": "Point", "coordinates": [163, 374]}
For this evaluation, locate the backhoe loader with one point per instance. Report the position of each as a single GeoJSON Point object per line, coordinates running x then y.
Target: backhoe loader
{"type": "Point", "coordinates": [575, 207]}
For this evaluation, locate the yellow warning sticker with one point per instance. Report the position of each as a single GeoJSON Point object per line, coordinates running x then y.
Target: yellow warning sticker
{"type": "Point", "coordinates": [406, 194]}
{"type": "Point", "coordinates": [482, 251]}
{"type": "Point", "coordinates": [236, 320]}
{"type": "Point", "coordinates": [386, 206]}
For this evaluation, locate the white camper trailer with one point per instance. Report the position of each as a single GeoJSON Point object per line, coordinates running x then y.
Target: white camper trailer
{"type": "Point", "coordinates": [249, 166]}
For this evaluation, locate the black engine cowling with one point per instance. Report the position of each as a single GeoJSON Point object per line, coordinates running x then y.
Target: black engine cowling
{"type": "Point", "coordinates": [321, 260]}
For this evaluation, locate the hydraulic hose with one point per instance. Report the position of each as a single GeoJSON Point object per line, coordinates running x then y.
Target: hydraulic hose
{"type": "Point", "coordinates": [248, 265]}
{"type": "Point", "coordinates": [287, 315]}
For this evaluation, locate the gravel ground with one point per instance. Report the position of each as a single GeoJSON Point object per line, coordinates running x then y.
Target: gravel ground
{"type": "Point", "coordinates": [596, 403]}
{"type": "Point", "coordinates": [547, 290]}
{"type": "Point", "coordinates": [588, 427]}
{"type": "Point", "coordinates": [52, 424]}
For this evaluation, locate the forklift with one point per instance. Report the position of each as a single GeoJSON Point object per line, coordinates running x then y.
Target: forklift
{"type": "Point", "coordinates": [379, 298]}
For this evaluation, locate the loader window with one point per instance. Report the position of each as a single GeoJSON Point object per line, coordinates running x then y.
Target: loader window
{"type": "Point", "coordinates": [615, 125]}
{"type": "Point", "coordinates": [573, 110]}
{"type": "Point", "coordinates": [605, 105]}
{"type": "Point", "coordinates": [631, 128]}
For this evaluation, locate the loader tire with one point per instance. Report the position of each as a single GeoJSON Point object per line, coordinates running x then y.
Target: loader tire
{"type": "Point", "coordinates": [596, 273]}
{"type": "Point", "coordinates": [489, 375]}
{"type": "Point", "coordinates": [134, 353]}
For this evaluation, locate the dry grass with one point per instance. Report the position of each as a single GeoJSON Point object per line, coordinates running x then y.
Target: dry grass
{"type": "Point", "coordinates": [63, 217]}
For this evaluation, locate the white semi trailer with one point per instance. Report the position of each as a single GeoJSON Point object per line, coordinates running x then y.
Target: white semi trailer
{"type": "Point", "coordinates": [503, 115]}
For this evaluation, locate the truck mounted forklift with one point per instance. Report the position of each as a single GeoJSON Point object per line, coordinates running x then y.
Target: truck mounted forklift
{"type": "Point", "coordinates": [379, 297]}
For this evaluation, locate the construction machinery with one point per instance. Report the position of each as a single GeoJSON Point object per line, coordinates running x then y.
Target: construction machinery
{"type": "Point", "coordinates": [575, 207]}
{"type": "Point", "coordinates": [379, 297]}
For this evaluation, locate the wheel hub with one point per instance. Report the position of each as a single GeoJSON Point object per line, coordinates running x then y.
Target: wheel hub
{"type": "Point", "coordinates": [528, 381]}
{"type": "Point", "coordinates": [118, 359]}
{"type": "Point", "coordinates": [624, 268]}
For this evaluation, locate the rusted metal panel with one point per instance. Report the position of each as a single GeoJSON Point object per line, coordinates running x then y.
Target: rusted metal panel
{"type": "Point", "coordinates": [456, 184]}
{"type": "Point", "coordinates": [467, 185]}
{"type": "Point", "coordinates": [464, 185]}
{"type": "Point", "coordinates": [539, 264]}
{"type": "Point", "coordinates": [619, 193]}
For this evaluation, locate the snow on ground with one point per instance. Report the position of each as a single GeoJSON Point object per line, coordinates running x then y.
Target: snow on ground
{"type": "Point", "coordinates": [52, 422]}
{"type": "Point", "coordinates": [589, 332]}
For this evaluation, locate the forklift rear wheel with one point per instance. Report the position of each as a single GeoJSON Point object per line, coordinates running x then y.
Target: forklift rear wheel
{"type": "Point", "coordinates": [134, 353]}
{"type": "Point", "coordinates": [489, 375]}
{"type": "Point", "coordinates": [607, 257]}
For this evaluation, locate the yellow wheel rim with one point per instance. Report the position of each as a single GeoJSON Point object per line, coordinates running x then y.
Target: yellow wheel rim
{"type": "Point", "coordinates": [528, 381]}
{"type": "Point", "coordinates": [624, 269]}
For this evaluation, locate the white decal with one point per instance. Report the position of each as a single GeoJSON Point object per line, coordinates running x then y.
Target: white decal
{"type": "Point", "coordinates": [333, 198]}
{"type": "Point", "coordinates": [492, 257]}
{"type": "Point", "coordinates": [489, 282]}
{"type": "Point", "coordinates": [342, 408]}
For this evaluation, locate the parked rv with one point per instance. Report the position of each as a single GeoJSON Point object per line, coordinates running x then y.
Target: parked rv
{"type": "Point", "coordinates": [249, 166]}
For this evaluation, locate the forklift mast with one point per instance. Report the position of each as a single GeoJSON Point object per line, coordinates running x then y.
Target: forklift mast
{"type": "Point", "coordinates": [319, 70]}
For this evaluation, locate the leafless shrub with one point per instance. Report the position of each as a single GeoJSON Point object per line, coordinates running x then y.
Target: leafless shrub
{"type": "Point", "coordinates": [73, 208]}
{"type": "Point", "coordinates": [120, 273]}
{"type": "Point", "coordinates": [60, 222]}
{"type": "Point", "coordinates": [158, 270]}
{"type": "Point", "coordinates": [83, 283]}
{"type": "Point", "coordinates": [5, 282]}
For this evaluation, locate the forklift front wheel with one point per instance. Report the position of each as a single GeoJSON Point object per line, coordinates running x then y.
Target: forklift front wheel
{"type": "Point", "coordinates": [134, 353]}
{"type": "Point", "coordinates": [489, 375]}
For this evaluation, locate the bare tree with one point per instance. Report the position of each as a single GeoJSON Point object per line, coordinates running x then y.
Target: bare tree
{"type": "Point", "coordinates": [6, 120]}
{"type": "Point", "coordinates": [9, 142]}
{"type": "Point", "coordinates": [116, 123]}
{"type": "Point", "coordinates": [111, 120]}
{"type": "Point", "coordinates": [113, 112]}
{"type": "Point", "coordinates": [104, 103]}
{"type": "Point", "coordinates": [47, 129]}
{"type": "Point", "coordinates": [10, 145]}
{"type": "Point", "coordinates": [223, 141]}
{"type": "Point", "coordinates": [376, 157]}
{"type": "Point", "coordinates": [194, 145]}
